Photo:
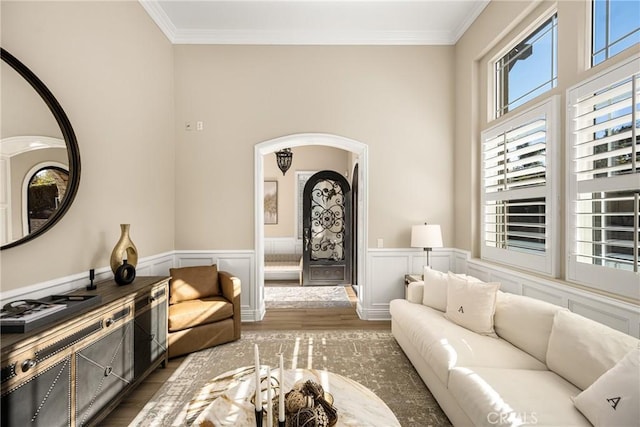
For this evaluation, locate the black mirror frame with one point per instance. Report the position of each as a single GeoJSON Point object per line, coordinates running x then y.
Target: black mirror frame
{"type": "Point", "coordinates": [69, 137]}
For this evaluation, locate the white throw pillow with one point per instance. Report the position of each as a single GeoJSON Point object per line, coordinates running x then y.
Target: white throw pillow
{"type": "Point", "coordinates": [516, 314]}
{"type": "Point", "coordinates": [435, 289]}
{"type": "Point", "coordinates": [472, 304]}
{"type": "Point", "coordinates": [581, 350]}
{"type": "Point", "coordinates": [614, 398]}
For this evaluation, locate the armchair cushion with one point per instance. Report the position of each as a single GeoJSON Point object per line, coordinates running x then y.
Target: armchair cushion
{"type": "Point", "coordinates": [198, 312]}
{"type": "Point", "coordinates": [192, 283]}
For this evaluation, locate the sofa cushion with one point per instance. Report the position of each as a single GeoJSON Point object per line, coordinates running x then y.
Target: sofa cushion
{"type": "Point", "coordinates": [445, 345]}
{"type": "Point", "coordinates": [525, 322]}
{"type": "Point", "coordinates": [581, 349]}
{"type": "Point", "coordinates": [189, 283]}
{"type": "Point", "coordinates": [465, 348]}
{"type": "Point", "coordinates": [513, 397]}
{"type": "Point", "coordinates": [435, 289]}
{"type": "Point", "coordinates": [188, 314]}
{"type": "Point", "coordinates": [471, 304]}
{"type": "Point", "coordinates": [614, 398]}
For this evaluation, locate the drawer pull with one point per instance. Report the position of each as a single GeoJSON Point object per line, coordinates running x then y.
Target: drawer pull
{"type": "Point", "coordinates": [107, 371]}
{"type": "Point", "coordinates": [108, 322]}
{"type": "Point", "coordinates": [28, 364]}
{"type": "Point", "coordinates": [152, 299]}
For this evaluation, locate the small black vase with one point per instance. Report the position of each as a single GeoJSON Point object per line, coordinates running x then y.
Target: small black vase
{"type": "Point", "coordinates": [125, 274]}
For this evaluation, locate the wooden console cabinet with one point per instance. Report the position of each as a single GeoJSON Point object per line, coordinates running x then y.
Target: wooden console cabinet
{"type": "Point", "coordinates": [76, 370]}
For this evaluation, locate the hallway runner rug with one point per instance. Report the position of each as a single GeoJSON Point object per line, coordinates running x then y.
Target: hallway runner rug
{"type": "Point", "coordinates": [305, 297]}
{"type": "Point", "coordinates": [372, 358]}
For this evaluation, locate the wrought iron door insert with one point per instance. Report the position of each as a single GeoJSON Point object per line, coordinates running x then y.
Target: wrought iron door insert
{"type": "Point", "coordinates": [327, 230]}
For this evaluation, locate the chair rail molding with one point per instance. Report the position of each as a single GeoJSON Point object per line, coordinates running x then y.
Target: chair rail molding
{"type": "Point", "coordinates": [383, 282]}
{"type": "Point", "coordinates": [154, 265]}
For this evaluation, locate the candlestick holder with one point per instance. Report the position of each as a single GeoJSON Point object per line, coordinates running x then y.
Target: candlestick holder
{"type": "Point", "coordinates": [275, 388]}
{"type": "Point", "coordinates": [259, 415]}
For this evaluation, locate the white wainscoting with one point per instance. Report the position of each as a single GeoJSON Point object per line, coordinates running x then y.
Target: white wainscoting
{"type": "Point", "coordinates": [156, 265]}
{"type": "Point", "coordinates": [241, 264]}
{"type": "Point", "coordinates": [385, 276]}
{"type": "Point", "coordinates": [615, 313]}
{"type": "Point", "coordinates": [384, 282]}
{"type": "Point", "coordinates": [386, 269]}
{"type": "Point", "coordinates": [282, 246]}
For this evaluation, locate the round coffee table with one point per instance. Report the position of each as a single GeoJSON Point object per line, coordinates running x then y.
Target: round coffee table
{"type": "Point", "coordinates": [226, 399]}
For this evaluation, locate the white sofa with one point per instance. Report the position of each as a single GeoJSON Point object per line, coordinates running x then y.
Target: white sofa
{"type": "Point", "coordinates": [529, 372]}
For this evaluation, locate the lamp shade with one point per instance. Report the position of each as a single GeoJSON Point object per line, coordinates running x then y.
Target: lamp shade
{"type": "Point", "coordinates": [426, 236]}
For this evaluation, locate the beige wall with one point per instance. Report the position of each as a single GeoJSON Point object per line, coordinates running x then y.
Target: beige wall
{"type": "Point", "coordinates": [312, 158]}
{"type": "Point", "coordinates": [117, 77]}
{"type": "Point", "coordinates": [500, 23]}
{"type": "Point", "coordinates": [397, 100]}
{"type": "Point", "coordinates": [23, 112]}
{"type": "Point", "coordinates": [111, 69]}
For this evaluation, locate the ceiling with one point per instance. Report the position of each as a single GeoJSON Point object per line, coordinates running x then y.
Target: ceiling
{"type": "Point", "coordinates": [314, 22]}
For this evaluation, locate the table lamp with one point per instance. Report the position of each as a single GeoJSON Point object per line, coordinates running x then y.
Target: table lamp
{"type": "Point", "coordinates": [426, 236]}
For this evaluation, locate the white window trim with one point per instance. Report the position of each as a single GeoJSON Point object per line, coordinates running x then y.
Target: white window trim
{"type": "Point", "coordinates": [619, 282]}
{"type": "Point", "coordinates": [492, 101]}
{"type": "Point", "coordinates": [589, 41]}
{"type": "Point", "coordinates": [548, 263]}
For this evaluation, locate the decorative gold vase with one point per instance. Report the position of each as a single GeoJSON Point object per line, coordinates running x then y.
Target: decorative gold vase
{"type": "Point", "coordinates": [124, 246]}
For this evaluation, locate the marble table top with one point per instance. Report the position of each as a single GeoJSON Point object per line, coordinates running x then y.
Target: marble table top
{"type": "Point", "coordinates": [226, 400]}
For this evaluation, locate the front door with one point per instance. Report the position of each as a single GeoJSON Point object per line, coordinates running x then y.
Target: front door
{"type": "Point", "coordinates": [326, 230]}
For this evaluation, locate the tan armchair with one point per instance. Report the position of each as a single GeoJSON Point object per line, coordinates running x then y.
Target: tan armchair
{"type": "Point", "coordinates": [204, 309]}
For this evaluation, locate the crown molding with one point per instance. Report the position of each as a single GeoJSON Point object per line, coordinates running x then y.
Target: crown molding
{"type": "Point", "coordinates": [303, 37]}
{"type": "Point", "coordinates": [261, 37]}
{"type": "Point", "coordinates": [478, 7]}
{"type": "Point", "coordinates": [159, 16]}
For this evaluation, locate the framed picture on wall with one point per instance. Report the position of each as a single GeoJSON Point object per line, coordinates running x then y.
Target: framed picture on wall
{"type": "Point", "coordinates": [270, 202]}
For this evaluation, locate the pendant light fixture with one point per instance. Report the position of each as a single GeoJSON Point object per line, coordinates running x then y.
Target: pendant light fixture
{"type": "Point", "coordinates": [284, 157]}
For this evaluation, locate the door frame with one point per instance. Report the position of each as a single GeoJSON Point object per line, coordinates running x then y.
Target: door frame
{"type": "Point", "coordinates": [347, 233]}
{"type": "Point", "coordinates": [360, 150]}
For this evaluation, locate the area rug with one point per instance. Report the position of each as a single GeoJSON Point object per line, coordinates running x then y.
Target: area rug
{"type": "Point", "coordinates": [372, 358]}
{"type": "Point", "coordinates": [305, 297]}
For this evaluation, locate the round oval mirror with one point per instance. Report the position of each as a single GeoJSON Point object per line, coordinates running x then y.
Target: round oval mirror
{"type": "Point", "coordinates": [39, 156]}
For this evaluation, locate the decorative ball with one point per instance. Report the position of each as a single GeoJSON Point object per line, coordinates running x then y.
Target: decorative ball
{"type": "Point", "coordinates": [299, 386]}
{"type": "Point", "coordinates": [295, 401]}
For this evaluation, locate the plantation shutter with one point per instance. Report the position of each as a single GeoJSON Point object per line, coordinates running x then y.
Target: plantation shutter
{"type": "Point", "coordinates": [604, 180]}
{"type": "Point", "coordinates": [517, 187]}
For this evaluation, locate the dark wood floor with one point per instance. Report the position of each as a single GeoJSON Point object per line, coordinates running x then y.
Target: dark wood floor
{"type": "Point", "coordinates": [275, 319]}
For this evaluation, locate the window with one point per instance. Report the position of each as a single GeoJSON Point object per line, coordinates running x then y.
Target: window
{"type": "Point", "coordinates": [615, 27]}
{"type": "Point", "coordinates": [519, 172]}
{"type": "Point", "coordinates": [604, 181]}
{"type": "Point", "coordinates": [528, 69]}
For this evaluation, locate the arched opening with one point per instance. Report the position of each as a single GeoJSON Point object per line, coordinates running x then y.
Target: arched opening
{"type": "Point", "coordinates": [359, 152]}
{"type": "Point", "coordinates": [44, 188]}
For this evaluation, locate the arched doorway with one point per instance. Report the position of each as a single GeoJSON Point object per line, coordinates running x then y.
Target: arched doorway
{"type": "Point", "coordinates": [360, 156]}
